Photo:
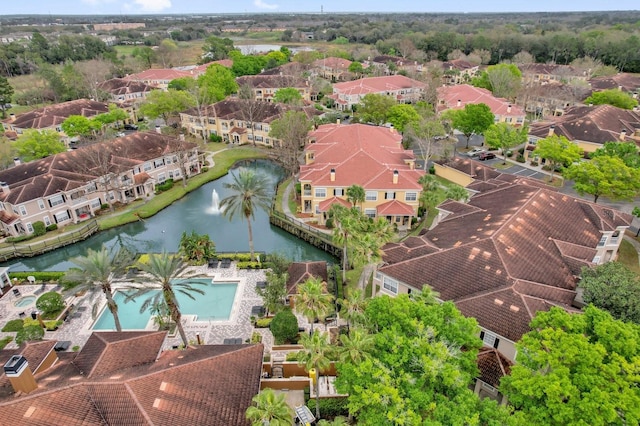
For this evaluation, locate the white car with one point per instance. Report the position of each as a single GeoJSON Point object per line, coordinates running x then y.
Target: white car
{"type": "Point", "coordinates": [475, 152]}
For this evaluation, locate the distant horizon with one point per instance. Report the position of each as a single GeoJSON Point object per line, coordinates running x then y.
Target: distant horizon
{"type": "Point", "coordinates": [251, 7]}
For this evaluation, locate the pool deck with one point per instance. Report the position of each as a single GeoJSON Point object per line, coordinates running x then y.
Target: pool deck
{"type": "Point", "coordinates": [78, 329]}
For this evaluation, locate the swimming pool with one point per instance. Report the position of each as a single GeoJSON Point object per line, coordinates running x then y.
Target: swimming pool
{"type": "Point", "coordinates": [214, 305]}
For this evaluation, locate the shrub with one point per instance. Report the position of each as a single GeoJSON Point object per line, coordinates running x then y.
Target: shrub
{"type": "Point", "coordinates": [520, 158]}
{"type": "Point", "coordinates": [329, 223]}
{"type": "Point", "coordinates": [13, 325]}
{"type": "Point", "coordinates": [256, 337]}
{"type": "Point", "coordinates": [215, 138]}
{"type": "Point", "coordinates": [298, 188]}
{"type": "Point", "coordinates": [432, 169]}
{"type": "Point", "coordinates": [52, 227]}
{"type": "Point", "coordinates": [164, 186]}
{"type": "Point", "coordinates": [39, 276]}
{"type": "Point", "coordinates": [205, 169]}
{"type": "Point", "coordinates": [521, 151]}
{"type": "Point", "coordinates": [509, 154]}
{"type": "Point", "coordinates": [20, 238]}
{"type": "Point", "coordinates": [263, 322]}
{"type": "Point", "coordinates": [104, 206]}
{"type": "Point", "coordinates": [39, 228]}
{"type": "Point", "coordinates": [534, 163]}
{"type": "Point", "coordinates": [330, 407]}
{"type": "Point", "coordinates": [30, 333]}
{"type": "Point", "coordinates": [284, 327]}
{"type": "Point", "coordinates": [50, 302]}
{"type": "Point", "coordinates": [292, 356]}
{"type": "Point", "coordinates": [248, 265]}
{"type": "Point", "coordinates": [5, 341]}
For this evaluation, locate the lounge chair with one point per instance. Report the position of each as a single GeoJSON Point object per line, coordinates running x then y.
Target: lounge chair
{"type": "Point", "coordinates": [225, 263]}
{"type": "Point", "coordinates": [213, 262]}
{"type": "Point", "coordinates": [40, 290]}
{"type": "Point", "coordinates": [16, 292]}
{"type": "Point", "coordinates": [261, 284]}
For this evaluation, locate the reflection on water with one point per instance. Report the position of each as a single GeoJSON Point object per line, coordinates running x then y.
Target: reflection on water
{"type": "Point", "coordinates": [163, 231]}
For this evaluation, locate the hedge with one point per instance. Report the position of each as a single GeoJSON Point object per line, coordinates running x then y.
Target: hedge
{"type": "Point", "coordinates": [13, 325]}
{"type": "Point", "coordinates": [249, 265]}
{"type": "Point", "coordinates": [5, 341]}
{"type": "Point", "coordinates": [263, 322]}
{"type": "Point", "coordinates": [330, 407]}
{"type": "Point", "coordinates": [284, 327]}
{"type": "Point", "coordinates": [50, 302]}
{"type": "Point", "coordinates": [39, 276]}
{"type": "Point", "coordinates": [30, 333]}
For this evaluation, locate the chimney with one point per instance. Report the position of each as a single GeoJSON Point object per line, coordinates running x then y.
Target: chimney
{"type": "Point", "coordinates": [552, 129]}
{"type": "Point", "coordinates": [337, 121]}
{"type": "Point", "coordinates": [4, 187]}
{"type": "Point", "coordinates": [623, 134]}
{"type": "Point", "coordinates": [16, 161]}
{"type": "Point", "coordinates": [395, 177]}
{"type": "Point", "coordinates": [20, 375]}
{"type": "Point", "coordinates": [620, 88]}
{"type": "Point", "coordinates": [635, 95]}
{"type": "Point", "coordinates": [509, 109]}
{"type": "Point", "coordinates": [181, 136]}
{"type": "Point", "coordinates": [158, 130]}
{"type": "Point", "coordinates": [459, 103]}
{"type": "Point", "coordinates": [12, 117]}
{"type": "Point", "coordinates": [333, 175]}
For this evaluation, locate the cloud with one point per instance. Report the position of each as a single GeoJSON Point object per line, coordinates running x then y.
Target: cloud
{"type": "Point", "coordinates": [262, 5]}
{"type": "Point", "coordinates": [153, 5]}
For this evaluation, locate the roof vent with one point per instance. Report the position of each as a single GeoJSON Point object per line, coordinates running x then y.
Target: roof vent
{"type": "Point", "coordinates": [514, 308]}
{"type": "Point", "coordinates": [498, 302]}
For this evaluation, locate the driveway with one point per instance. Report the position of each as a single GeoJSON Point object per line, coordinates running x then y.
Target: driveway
{"type": "Point", "coordinates": [521, 171]}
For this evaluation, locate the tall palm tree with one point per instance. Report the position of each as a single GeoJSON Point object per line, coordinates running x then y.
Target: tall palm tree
{"type": "Point", "coordinates": [355, 194]}
{"type": "Point", "coordinates": [97, 271]}
{"type": "Point", "coordinates": [357, 346]}
{"type": "Point", "coordinates": [270, 409]}
{"type": "Point", "coordinates": [312, 300]}
{"type": "Point", "coordinates": [250, 190]}
{"type": "Point", "coordinates": [316, 354]}
{"type": "Point", "coordinates": [346, 222]}
{"type": "Point", "coordinates": [367, 247]}
{"type": "Point", "coordinates": [352, 307]}
{"type": "Point", "coordinates": [166, 270]}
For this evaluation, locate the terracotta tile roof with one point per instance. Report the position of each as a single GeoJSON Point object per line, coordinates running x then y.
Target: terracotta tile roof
{"type": "Point", "coordinates": [325, 205]}
{"type": "Point", "coordinates": [394, 208]}
{"type": "Point", "coordinates": [516, 242]}
{"type": "Point", "coordinates": [458, 64]}
{"type": "Point", "coordinates": [551, 69]}
{"type": "Point", "coordinates": [299, 272]}
{"type": "Point", "coordinates": [159, 74]}
{"type": "Point", "coordinates": [271, 81]}
{"type": "Point", "coordinates": [53, 115]}
{"type": "Point", "coordinates": [493, 366]}
{"type": "Point", "coordinates": [291, 69]}
{"type": "Point", "coordinates": [121, 87]}
{"type": "Point", "coordinates": [233, 109]}
{"type": "Point", "coordinates": [596, 124]}
{"type": "Point", "coordinates": [74, 169]}
{"type": "Point", "coordinates": [333, 63]}
{"type": "Point", "coordinates": [34, 352]}
{"type": "Point", "coordinates": [359, 154]}
{"type": "Point", "coordinates": [468, 94]}
{"type": "Point", "coordinates": [377, 85]}
{"type": "Point", "coordinates": [141, 178]}
{"type": "Point", "coordinates": [203, 385]}
{"type": "Point", "coordinates": [627, 82]}
{"type": "Point", "coordinates": [8, 217]}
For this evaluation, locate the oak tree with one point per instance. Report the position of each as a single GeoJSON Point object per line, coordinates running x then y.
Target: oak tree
{"type": "Point", "coordinates": [558, 151]}
{"type": "Point", "coordinates": [605, 176]}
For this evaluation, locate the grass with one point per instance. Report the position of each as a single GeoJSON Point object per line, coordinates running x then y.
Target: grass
{"type": "Point", "coordinates": [628, 256]}
{"type": "Point", "coordinates": [280, 195]}
{"type": "Point", "coordinates": [271, 36]}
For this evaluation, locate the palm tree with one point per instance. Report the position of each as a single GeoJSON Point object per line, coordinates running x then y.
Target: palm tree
{"type": "Point", "coordinates": [346, 222]}
{"type": "Point", "coordinates": [355, 194]}
{"type": "Point", "coordinates": [166, 269]}
{"type": "Point", "coordinates": [312, 300]}
{"type": "Point", "coordinates": [270, 409]}
{"type": "Point", "coordinates": [457, 193]}
{"type": "Point", "coordinates": [97, 271]}
{"type": "Point", "coordinates": [352, 307]}
{"type": "Point", "coordinates": [316, 353]}
{"type": "Point", "coordinates": [250, 191]}
{"type": "Point", "coordinates": [357, 346]}
{"type": "Point", "coordinates": [367, 247]}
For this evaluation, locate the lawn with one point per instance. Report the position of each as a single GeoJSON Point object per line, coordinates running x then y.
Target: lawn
{"type": "Point", "coordinates": [628, 256]}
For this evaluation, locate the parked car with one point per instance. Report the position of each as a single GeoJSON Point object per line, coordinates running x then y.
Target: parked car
{"type": "Point", "coordinates": [487, 155]}
{"type": "Point", "coordinates": [130, 127]}
{"type": "Point", "coordinates": [474, 152]}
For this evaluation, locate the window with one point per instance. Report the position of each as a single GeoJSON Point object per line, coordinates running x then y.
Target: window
{"type": "Point", "coordinates": [390, 285]}
{"type": "Point", "coordinates": [390, 195]}
{"type": "Point", "coordinates": [170, 174]}
{"type": "Point", "coordinates": [95, 203]}
{"type": "Point", "coordinates": [603, 240]}
{"type": "Point", "coordinates": [489, 339]}
{"type": "Point", "coordinates": [62, 216]}
{"type": "Point", "coordinates": [41, 204]}
{"type": "Point", "coordinates": [23, 210]}
{"type": "Point", "coordinates": [411, 196]}
{"type": "Point", "coordinates": [147, 167]}
{"type": "Point", "coordinates": [161, 178]}
{"type": "Point", "coordinates": [47, 221]}
{"type": "Point", "coordinates": [158, 163]}
{"type": "Point", "coordinates": [370, 213]}
{"type": "Point", "coordinates": [29, 227]}
{"type": "Point", "coordinates": [371, 196]}
{"type": "Point", "coordinates": [338, 192]}
{"type": "Point", "coordinates": [92, 187]}
{"type": "Point", "coordinates": [57, 200]}
{"type": "Point", "coordinates": [259, 138]}
{"type": "Point", "coordinates": [321, 192]}
{"type": "Point", "coordinates": [176, 173]}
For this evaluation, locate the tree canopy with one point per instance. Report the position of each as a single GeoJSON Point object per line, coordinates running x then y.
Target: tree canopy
{"type": "Point", "coordinates": [166, 104]}
{"type": "Point", "coordinates": [34, 144]}
{"type": "Point", "coordinates": [504, 80]}
{"type": "Point", "coordinates": [613, 287]}
{"type": "Point", "coordinates": [605, 176]}
{"type": "Point", "coordinates": [626, 151]}
{"type": "Point", "coordinates": [474, 119]}
{"type": "Point", "coordinates": [558, 151]}
{"type": "Point", "coordinates": [6, 92]}
{"type": "Point", "coordinates": [218, 82]}
{"type": "Point", "coordinates": [613, 97]}
{"type": "Point", "coordinates": [216, 48]}
{"type": "Point", "coordinates": [375, 108]}
{"type": "Point", "coordinates": [291, 129]}
{"type": "Point", "coordinates": [504, 136]}
{"type": "Point", "coordinates": [576, 370]}
{"type": "Point", "coordinates": [402, 116]}
{"type": "Point", "coordinates": [288, 95]}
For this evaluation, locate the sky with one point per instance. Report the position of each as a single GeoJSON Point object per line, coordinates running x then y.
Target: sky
{"type": "Point", "coordinates": [133, 7]}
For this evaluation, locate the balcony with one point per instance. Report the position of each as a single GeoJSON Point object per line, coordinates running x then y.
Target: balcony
{"type": "Point", "coordinates": [79, 200]}
{"type": "Point", "coordinates": [306, 193]}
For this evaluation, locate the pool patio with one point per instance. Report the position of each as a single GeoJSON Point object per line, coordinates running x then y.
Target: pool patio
{"type": "Point", "coordinates": [77, 328]}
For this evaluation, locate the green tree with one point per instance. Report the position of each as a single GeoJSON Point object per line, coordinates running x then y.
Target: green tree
{"type": "Point", "coordinates": [167, 272]}
{"type": "Point", "coordinates": [356, 68]}
{"type": "Point", "coordinates": [355, 194]}
{"type": "Point", "coordinates": [196, 247]}
{"type": "Point", "coordinates": [291, 129]}
{"type": "Point", "coordinates": [249, 192]}
{"type": "Point", "coordinates": [316, 354]}
{"type": "Point", "coordinates": [79, 125]}
{"type": "Point", "coordinates": [288, 95]}
{"type": "Point", "coordinates": [367, 245]}
{"type": "Point", "coordinates": [356, 346]}
{"type": "Point", "coordinates": [312, 300]}
{"type": "Point", "coordinates": [275, 291]}
{"type": "Point", "coordinates": [626, 151]}
{"type": "Point", "coordinates": [604, 177]}
{"type": "Point", "coordinates": [613, 287]}
{"type": "Point", "coordinates": [145, 54]}
{"type": "Point", "coordinates": [34, 144]}
{"type": "Point", "coordinates": [346, 225]}
{"type": "Point", "coordinates": [474, 119]}
{"type": "Point", "coordinates": [558, 151]}
{"type": "Point", "coordinates": [504, 136]}
{"type": "Point", "coordinates": [216, 48]}
{"type": "Point", "coordinates": [269, 408]}
{"type": "Point", "coordinates": [402, 116]}
{"type": "Point", "coordinates": [6, 93]}
{"type": "Point", "coordinates": [504, 80]}
{"type": "Point", "coordinates": [428, 133]}
{"type": "Point", "coordinates": [284, 327]}
{"type": "Point", "coordinates": [375, 108]}
{"type": "Point", "coordinates": [576, 369]}
{"type": "Point", "coordinates": [166, 104]}
{"type": "Point", "coordinates": [30, 333]}
{"type": "Point", "coordinates": [247, 64]}
{"type": "Point", "coordinates": [97, 271]}
{"type": "Point", "coordinates": [614, 97]}
{"type": "Point", "coordinates": [353, 306]}
{"type": "Point", "coordinates": [49, 303]}
{"type": "Point", "coordinates": [636, 213]}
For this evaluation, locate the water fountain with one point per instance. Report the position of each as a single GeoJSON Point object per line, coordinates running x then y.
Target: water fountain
{"type": "Point", "coordinates": [214, 208]}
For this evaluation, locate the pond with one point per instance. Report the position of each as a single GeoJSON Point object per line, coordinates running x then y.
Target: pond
{"type": "Point", "coordinates": [194, 212]}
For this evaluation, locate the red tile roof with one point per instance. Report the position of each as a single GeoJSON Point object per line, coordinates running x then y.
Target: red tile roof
{"type": "Point", "coordinates": [377, 85]}
{"type": "Point", "coordinates": [121, 87]}
{"type": "Point", "coordinates": [468, 94]}
{"type": "Point", "coordinates": [202, 385]}
{"type": "Point", "coordinates": [361, 155]}
{"type": "Point", "coordinates": [325, 205]}
{"type": "Point", "coordinates": [333, 63]}
{"type": "Point", "coordinates": [299, 272]}
{"type": "Point", "coordinates": [394, 208]}
{"type": "Point", "coordinates": [625, 81]}
{"type": "Point", "coordinates": [516, 242]}
{"type": "Point", "coordinates": [160, 74]}
{"type": "Point", "coordinates": [493, 366]}
{"type": "Point", "coordinates": [53, 115]}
